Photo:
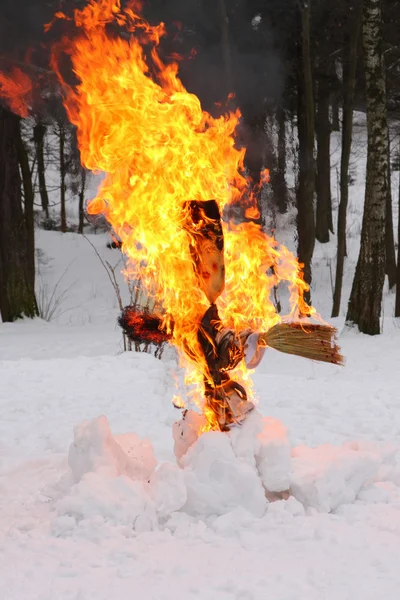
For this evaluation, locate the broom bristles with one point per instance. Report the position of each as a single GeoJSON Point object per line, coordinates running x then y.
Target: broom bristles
{"type": "Point", "coordinates": [309, 340]}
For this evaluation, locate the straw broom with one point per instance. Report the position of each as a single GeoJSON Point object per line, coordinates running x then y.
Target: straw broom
{"type": "Point", "coordinates": [317, 342]}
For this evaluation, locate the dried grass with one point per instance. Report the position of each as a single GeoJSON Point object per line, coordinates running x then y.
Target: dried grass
{"type": "Point", "coordinates": [309, 340]}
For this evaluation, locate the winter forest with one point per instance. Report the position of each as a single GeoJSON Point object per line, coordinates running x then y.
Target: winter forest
{"type": "Point", "coordinates": [199, 299]}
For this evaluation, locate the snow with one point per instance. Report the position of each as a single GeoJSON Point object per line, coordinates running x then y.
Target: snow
{"type": "Point", "coordinates": [102, 497]}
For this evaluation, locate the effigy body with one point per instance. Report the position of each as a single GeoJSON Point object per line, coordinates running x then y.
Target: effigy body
{"type": "Point", "coordinates": [221, 348]}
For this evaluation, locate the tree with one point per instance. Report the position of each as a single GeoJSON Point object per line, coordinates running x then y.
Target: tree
{"type": "Point", "coordinates": [323, 222]}
{"type": "Point", "coordinates": [350, 57]}
{"type": "Point", "coordinates": [280, 175]}
{"type": "Point", "coordinates": [17, 292]}
{"type": "Point", "coordinates": [39, 132]}
{"type": "Point", "coordinates": [324, 72]}
{"type": "Point", "coordinates": [366, 295]}
{"type": "Point", "coordinates": [390, 267]}
{"type": "Point", "coordinates": [305, 124]}
{"type": "Point", "coordinates": [397, 304]}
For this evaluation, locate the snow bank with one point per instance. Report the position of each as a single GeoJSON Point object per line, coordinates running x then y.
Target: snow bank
{"type": "Point", "coordinates": [217, 481]}
{"type": "Point", "coordinates": [114, 479]}
{"type": "Point", "coordinates": [100, 499]}
{"type": "Point", "coordinates": [326, 477]}
{"type": "Point", "coordinates": [94, 449]}
{"type": "Point", "coordinates": [225, 471]}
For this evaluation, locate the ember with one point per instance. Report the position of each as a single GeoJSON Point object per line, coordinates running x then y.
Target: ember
{"type": "Point", "coordinates": [165, 159]}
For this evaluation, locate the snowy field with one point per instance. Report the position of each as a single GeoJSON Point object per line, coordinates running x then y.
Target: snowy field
{"type": "Point", "coordinates": [94, 506]}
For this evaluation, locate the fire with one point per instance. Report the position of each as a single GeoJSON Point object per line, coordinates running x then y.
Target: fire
{"type": "Point", "coordinates": [16, 89]}
{"type": "Point", "coordinates": [138, 124]}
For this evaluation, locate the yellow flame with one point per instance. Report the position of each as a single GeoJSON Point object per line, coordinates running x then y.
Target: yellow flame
{"type": "Point", "coordinates": [138, 124]}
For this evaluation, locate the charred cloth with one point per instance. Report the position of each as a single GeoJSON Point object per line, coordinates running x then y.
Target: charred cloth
{"type": "Point", "coordinates": [141, 326]}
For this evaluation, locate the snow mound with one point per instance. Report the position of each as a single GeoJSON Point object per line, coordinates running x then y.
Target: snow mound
{"type": "Point", "coordinates": [94, 449]}
{"type": "Point", "coordinates": [114, 479]}
{"type": "Point", "coordinates": [228, 471]}
{"type": "Point", "coordinates": [262, 442]}
{"type": "Point", "coordinates": [328, 476]}
{"type": "Point", "coordinates": [100, 499]}
{"type": "Point", "coordinates": [168, 489]}
{"type": "Point", "coordinates": [217, 482]}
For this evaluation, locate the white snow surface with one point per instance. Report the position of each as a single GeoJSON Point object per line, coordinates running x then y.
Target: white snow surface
{"type": "Point", "coordinates": [101, 498]}
{"type": "Point", "coordinates": [94, 504]}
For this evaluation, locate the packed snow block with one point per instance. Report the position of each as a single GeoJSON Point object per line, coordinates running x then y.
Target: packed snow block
{"type": "Point", "coordinates": [186, 432]}
{"type": "Point", "coordinates": [99, 499]}
{"type": "Point", "coordinates": [218, 481]}
{"type": "Point", "coordinates": [140, 462]}
{"type": "Point", "coordinates": [262, 442]}
{"type": "Point", "coordinates": [328, 476]}
{"type": "Point", "coordinates": [95, 450]}
{"type": "Point", "coordinates": [167, 489]}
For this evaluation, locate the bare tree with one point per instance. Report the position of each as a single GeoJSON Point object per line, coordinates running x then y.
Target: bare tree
{"type": "Point", "coordinates": [390, 268]}
{"type": "Point", "coordinates": [39, 132]}
{"type": "Point", "coordinates": [349, 80]}
{"type": "Point", "coordinates": [305, 120]}
{"type": "Point", "coordinates": [397, 304]}
{"type": "Point", "coordinates": [366, 295]}
{"type": "Point", "coordinates": [17, 292]}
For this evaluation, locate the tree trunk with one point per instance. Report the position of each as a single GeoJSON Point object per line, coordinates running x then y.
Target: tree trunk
{"type": "Point", "coordinates": [366, 295]}
{"type": "Point", "coordinates": [349, 81]}
{"type": "Point", "coordinates": [17, 294]}
{"type": "Point", "coordinates": [323, 178]}
{"type": "Point", "coordinates": [305, 124]}
{"type": "Point", "coordinates": [61, 131]}
{"type": "Point", "coordinates": [39, 132]}
{"type": "Point", "coordinates": [226, 51]}
{"type": "Point", "coordinates": [282, 198]}
{"type": "Point", "coordinates": [29, 197]}
{"type": "Point", "coordinates": [397, 303]}
{"type": "Point", "coordinates": [82, 202]}
{"type": "Point", "coordinates": [390, 269]}
{"type": "Point", "coordinates": [335, 112]}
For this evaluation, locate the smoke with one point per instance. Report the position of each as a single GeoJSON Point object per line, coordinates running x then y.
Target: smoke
{"type": "Point", "coordinates": [257, 69]}
{"type": "Point", "coordinates": [225, 47]}
{"type": "Point", "coordinates": [21, 25]}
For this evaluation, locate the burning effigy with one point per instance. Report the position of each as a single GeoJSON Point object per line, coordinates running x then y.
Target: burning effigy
{"type": "Point", "coordinates": [171, 173]}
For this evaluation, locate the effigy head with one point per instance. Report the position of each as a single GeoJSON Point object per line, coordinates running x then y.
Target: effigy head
{"type": "Point", "coordinates": [203, 225]}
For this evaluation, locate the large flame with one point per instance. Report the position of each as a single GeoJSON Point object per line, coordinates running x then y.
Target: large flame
{"type": "Point", "coordinates": [138, 124]}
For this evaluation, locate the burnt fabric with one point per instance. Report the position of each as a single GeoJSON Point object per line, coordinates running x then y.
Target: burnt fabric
{"type": "Point", "coordinates": [223, 349]}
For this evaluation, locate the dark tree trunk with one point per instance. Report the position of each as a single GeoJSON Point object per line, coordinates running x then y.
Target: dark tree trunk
{"type": "Point", "coordinates": [82, 202]}
{"type": "Point", "coordinates": [282, 197]}
{"type": "Point", "coordinates": [17, 294]}
{"type": "Point", "coordinates": [256, 149]}
{"type": "Point", "coordinates": [323, 221]}
{"type": "Point", "coordinates": [29, 197]}
{"type": "Point", "coordinates": [389, 237]}
{"type": "Point", "coordinates": [335, 111]}
{"type": "Point", "coordinates": [349, 80]}
{"type": "Point", "coordinates": [305, 123]}
{"type": "Point", "coordinates": [61, 132]}
{"type": "Point", "coordinates": [397, 303]}
{"type": "Point", "coordinates": [226, 50]}
{"type": "Point", "coordinates": [39, 132]}
{"type": "Point", "coordinates": [366, 295]}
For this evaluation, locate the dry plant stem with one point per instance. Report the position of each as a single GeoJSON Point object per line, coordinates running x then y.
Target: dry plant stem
{"type": "Point", "coordinates": [316, 342]}
{"type": "Point", "coordinates": [110, 270]}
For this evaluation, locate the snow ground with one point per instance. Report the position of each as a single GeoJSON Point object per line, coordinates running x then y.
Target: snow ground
{"type": "Point", "coordinates": [338, 538]}
{"type": "Point", "coordinates": [78, 527]}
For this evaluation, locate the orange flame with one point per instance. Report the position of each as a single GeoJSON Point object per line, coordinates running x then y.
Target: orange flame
{"type": "Point", "coordinates": [16, 89]}
{"type": "Point", "coordinates": [138, 124]}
